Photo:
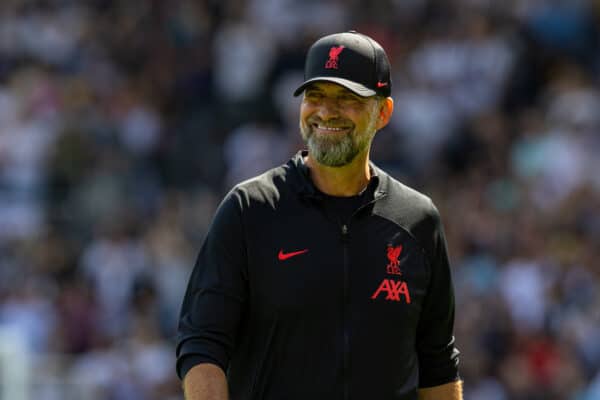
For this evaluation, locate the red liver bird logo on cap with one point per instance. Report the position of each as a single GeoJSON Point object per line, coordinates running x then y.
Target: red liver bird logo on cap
{"type": "Point", "coordinates": [334, 57]}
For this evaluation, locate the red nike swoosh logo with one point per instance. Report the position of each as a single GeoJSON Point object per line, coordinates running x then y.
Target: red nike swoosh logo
{"type": "Point", "coordinates": [381, 84]}
{"type": "Point", "coordinates": [284, 256]}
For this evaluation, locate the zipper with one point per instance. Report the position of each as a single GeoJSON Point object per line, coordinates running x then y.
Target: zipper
{"type": "Point", "coordinates": [345, 317]}
{"type": "Point", "coordinates": [346, 303]}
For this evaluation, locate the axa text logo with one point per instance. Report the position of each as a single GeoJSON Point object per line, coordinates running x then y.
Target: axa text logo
{"type": "Point", "coordinates": [394, 291]}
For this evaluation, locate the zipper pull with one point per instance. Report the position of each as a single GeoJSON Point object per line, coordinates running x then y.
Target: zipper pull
{"type": "Point", "coordinates": [344, 232]}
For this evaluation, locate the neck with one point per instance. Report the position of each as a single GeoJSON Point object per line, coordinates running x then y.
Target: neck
{"type": "Point", "coordinates": [345, 181]}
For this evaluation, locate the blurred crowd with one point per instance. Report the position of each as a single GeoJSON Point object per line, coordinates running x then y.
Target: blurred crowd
{"type": "Point", "coordinates": [123, 123]}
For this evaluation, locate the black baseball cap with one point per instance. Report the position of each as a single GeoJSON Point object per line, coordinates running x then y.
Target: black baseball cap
{"type": "Point", "coordinates": [350, 59]}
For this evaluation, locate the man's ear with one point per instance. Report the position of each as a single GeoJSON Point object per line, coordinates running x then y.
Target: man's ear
{"type": "Point", "coordinates": [386, 109]}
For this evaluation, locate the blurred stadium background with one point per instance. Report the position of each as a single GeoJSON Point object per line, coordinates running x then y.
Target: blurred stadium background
{"type": "Point", "coordinates": [122, 123]}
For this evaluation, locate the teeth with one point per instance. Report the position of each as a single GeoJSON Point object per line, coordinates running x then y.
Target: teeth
{"type": "Point", "coordinates": [328, 128]}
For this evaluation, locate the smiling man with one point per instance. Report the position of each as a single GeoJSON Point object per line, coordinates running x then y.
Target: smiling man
{"type": "Point", "coordinates": [324, 278]}
{"type": "Point", "coordinates": [337, 124]}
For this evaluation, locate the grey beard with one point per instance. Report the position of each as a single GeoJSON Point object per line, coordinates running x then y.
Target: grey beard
{"type": "Point", "coordinates": [332, 153]}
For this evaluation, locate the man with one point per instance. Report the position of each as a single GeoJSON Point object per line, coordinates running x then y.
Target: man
{"type": "Point", "coordinates": [324, 278]}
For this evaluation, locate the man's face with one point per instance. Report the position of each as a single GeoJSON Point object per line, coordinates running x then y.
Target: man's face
{"type": "Point", "coordinates": [337, 124]}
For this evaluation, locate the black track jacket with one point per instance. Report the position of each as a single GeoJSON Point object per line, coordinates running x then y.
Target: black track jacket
{"type": "Point", "coordinates": [293, 304]}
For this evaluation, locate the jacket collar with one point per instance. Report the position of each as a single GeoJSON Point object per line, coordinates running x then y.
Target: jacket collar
{"type": "Point", "coordinates": [304, 185]}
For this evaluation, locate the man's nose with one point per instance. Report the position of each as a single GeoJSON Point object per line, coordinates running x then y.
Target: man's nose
{"type": "Point", "coordinates": [328, 108]}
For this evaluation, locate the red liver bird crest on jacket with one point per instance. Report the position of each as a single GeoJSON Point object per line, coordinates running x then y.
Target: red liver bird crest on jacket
{"type": "Point", "coordinates": [393, 255]}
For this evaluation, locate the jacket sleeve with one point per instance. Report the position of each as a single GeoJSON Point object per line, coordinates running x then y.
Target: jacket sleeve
{"type": "Point", "coordinates": [216, 293]}
{"type": "Point", "coordinates": [438, 357]}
